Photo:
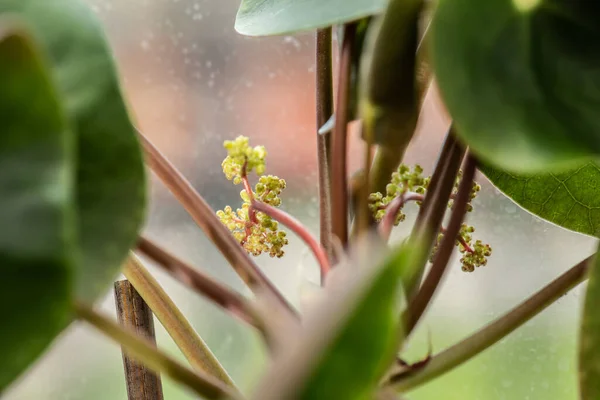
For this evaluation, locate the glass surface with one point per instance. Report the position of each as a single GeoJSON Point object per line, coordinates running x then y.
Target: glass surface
{"type": "Point", "coordinates": [193, 82]}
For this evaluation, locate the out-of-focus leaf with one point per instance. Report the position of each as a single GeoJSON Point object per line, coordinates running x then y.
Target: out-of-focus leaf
{"type": "Point", "coordinates": [589, 339]}
{"type": "Point", "coordinates": [278, 17]}
{"type": "Point", "coordinates": [519, 79]}
{"type": "Point", "coordinates": [110, 175]}
{"type": "Point", "coordinates": [569, 199]}
{"type": "Point", "coordinates": [349, 336]}
{"type": "Point", "coordinates": [36, 182]}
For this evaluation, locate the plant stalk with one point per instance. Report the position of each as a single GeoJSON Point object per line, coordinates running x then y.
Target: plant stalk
{"type": "Point", "coordinates": [339, 167]}
{"type": "Point", "coordinates": [195, 350]}
{"type": "Point", "coordinates": [492, 333]}
{"type": "Point", "coordinates": [324, 101]}
{"type": "Point", "coordinates": [421, 301]}
{"type": "Point", "coordinates": [201, 283]}
{"type": "Point", "coordinates": [133, 313]}
{"type": "Point", "coordinates": [299, 230]}
{"type": "Point", "coordinates": [203, 385]}
{"type": "Point", "coordinates": [206, 219]}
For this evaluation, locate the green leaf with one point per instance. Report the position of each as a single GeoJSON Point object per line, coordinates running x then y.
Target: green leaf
{"type": "Point", "coordinates": [349, 337]}
{"type": "Point", "coordinates": [589, 339]}
{"type": "Point", "coordinates": [568, 199]}
{"type": "Point", "coordinates": [36, 182]}
{"type": "Point", "coordinates": [278, 17]}
{"type": "Point", "coordinates": [520, 79]}
{"type": "Point", "coordinates": [110, 171]}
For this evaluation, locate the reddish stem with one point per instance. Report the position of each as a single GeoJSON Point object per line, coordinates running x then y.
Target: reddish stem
{"type": "Point", "coordinates": [393, 208]}
{"type": "Point", "coordinates": [248, 189]}
{"type": "Point", "coordinates": [297, 227]}
{"type": "Point", "coordinates": [461, 240]}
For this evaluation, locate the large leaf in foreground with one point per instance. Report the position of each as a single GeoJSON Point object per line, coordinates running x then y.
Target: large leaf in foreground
{"type": "Point", "coordinates": [349, 337]}
{"type": "Point", "coordinates": [570, 199]}
{"type": "Point", "coordinates": [35, 207]}
{"type": "Point", "coordinates": [278, 17]}
{"type": "Point", "coordinates": [520, 79]}
{"type": "Point", "coordinates": [589, 339]}
{"type": "Point", "coordinates": [110, 172]}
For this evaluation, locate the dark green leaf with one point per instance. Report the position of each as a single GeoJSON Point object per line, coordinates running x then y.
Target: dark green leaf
{"type": "Point", "coordinates": [568, 199]}
{"type": "Point", "coordinates": [520, 79]}
{"type": "Point", "coordinates": [278, 17]}
{"type": "Point", "coordinates": [589, 340]}
{"type": "Point", "coordinates": [350, 336]}
{"type": "Point", "coordinates": [110, 172]}
{"type": "Point", "coordinates": [36, 182]}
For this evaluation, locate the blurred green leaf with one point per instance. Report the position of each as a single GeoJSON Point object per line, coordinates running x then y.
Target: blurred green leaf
{"type": "Point", "coordinates": [349, 336]}
{"type": "Point", "coordinates": [36, 182]}
{"type": "Point", "coordinates": [278, 17]}
{"type": "Point", "coordinates": [568, 199]}
{"type": "Point", "coordinates": [110, 171]}
{"type": "Point", "coordinates": [589, 339]}
{"type": "Point", "coordinates": [518, 79]}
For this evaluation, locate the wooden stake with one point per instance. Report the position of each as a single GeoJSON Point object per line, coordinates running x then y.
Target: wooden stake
{"type": "Point", "coordinates": [135, 315]}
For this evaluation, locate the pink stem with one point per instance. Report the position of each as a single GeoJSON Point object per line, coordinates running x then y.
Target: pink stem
{"type": "Point", "coordinates": [461, 240]}
{"type": "Point", "coordinates": [387, 223]}
{"type": "Point", "coordinates": [295, 225]}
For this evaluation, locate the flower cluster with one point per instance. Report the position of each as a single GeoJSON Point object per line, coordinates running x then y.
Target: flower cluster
{"type": "Point", "coordinates": [410, 185]}
{"type": "Point", "coordinates": [257, 232]}
{"type": "Point", "coordinates": [242, 159]}
{"type": "Point", "coordinates": [403, 181]}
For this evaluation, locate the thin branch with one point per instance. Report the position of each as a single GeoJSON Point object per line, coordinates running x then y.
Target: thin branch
{"type": "Point", "coordinates": [297, 227]}
{"type": "Point", "coordinates": [492, 333]}
{"type": "Point", "coordinates": [425, 293]}
{"type": "Point", "coordinates": [387, 223]}
{"type": "Point", "coordinates": [324, 102]}
{"type": "Point", "coordinates": [339, 183]}
{"type": "Point", "coordinates": [195, 350]}
{"type": "Point", "coordinates": [429, 219]}
{"type": "Point", "coordinates": [206, 219]}
{"type": "Point", "coordinates": [198, 281]}
{"type": "Point", "coordinates": [204, 385]}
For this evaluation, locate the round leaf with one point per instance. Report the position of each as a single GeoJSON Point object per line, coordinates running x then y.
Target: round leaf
{"type": "Point", "coordinates": [110, 171]}
{"type": "Point", "coordinates": [520, 79]}
{"type": "Point", "coordinates": [278, 17]}
{"type": "Point", "coordinates": [36, 183]}
{"type": "Point", "coordinates": [568, 199]}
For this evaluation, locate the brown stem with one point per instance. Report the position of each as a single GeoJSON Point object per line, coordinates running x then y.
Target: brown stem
{"type": "Point", "coordinates": [492, 333]}
{"type": "Point", "coordinates": [339, 183]}
{"type": "Point", "coordinates": [429, 219]}
{"type": "Point", "coordinates": [206, 219]}
{"type": "Point", "coordinates": [452, 232]}
{"type": "Point", "coordinates": [297, 227]}
{"type": "Point", "coordinates": [324, 111]}
{"type": "Point", "coordinates": [198, 281]}
{"type": "Point", "coordinates": [134, 314]}
{"type": "Point", "coordinates": [387, 223]}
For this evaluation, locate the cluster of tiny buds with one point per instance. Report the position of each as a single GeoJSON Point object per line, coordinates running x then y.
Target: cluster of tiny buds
{"type": "Point", "coordinates": [240, 156]}
{"type": "Point", "coordinates": [257, 232]}
{"type": "Point", "coordinates": [474, 255]}
{"type": "Point", "coordinates": [403, 181]}
{"type": "Point", "coordinates": [406, 181]}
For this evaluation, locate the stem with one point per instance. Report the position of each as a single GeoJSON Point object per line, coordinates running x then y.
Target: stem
{"type": "Point", "coordinates": [429, 219]}
{"type": "Point", "coordinates": [299, 230]}
{"type": "Point", "coordinates": [198, 281]}
{"type": "Point", "coordinates": [324, 111]}
{"type": "Point", "coordinates": [204, 385]}
{"type": "Point", "coordinates": [492, 333]}
{"type": "Point", "coordinates": [339, 184]}
{"type": "Point", "coordinates": [206, 219]}
{"type": "Point", "coordinates": [425, 293]}
{"type": "Point", "coordinates": [387, 223]}
{"type": "Point", "coordinates": [195, 350]}
{"type": "Point", "coordinates": [133, 313]}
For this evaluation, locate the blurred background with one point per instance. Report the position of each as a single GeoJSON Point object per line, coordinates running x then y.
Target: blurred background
{"type": "Point", "coordinates": [193, 82]}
